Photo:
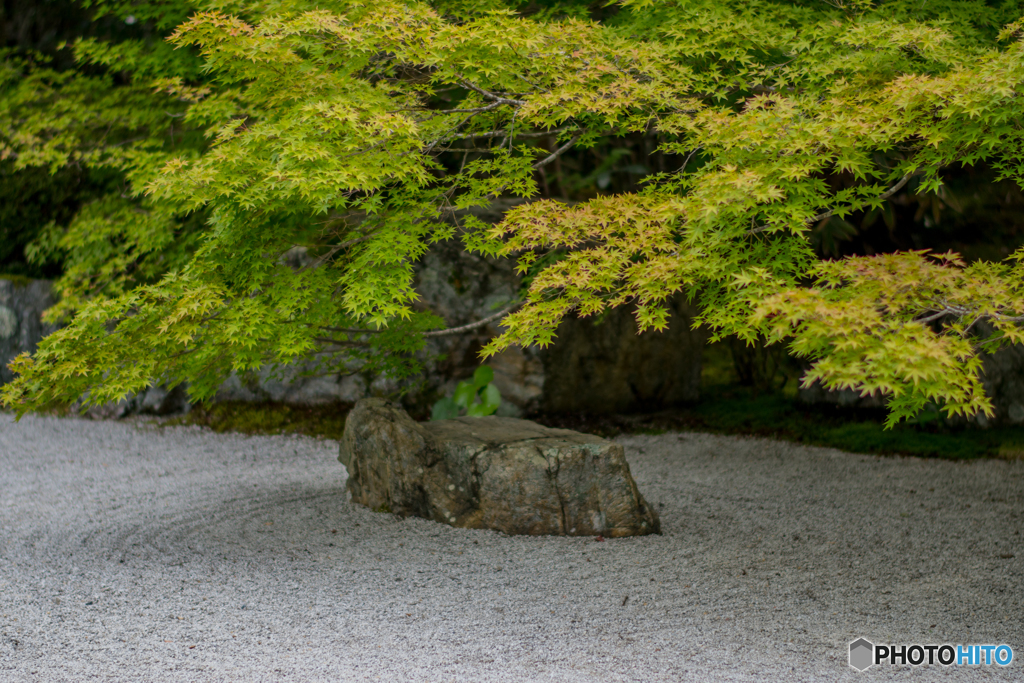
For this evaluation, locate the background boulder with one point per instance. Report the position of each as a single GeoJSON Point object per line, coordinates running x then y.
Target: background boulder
{"type": "Point", "coordinates": [605, 366]}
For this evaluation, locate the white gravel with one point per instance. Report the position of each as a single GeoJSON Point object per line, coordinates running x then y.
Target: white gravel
{"type": "Point", "coordinates": [136, 553]}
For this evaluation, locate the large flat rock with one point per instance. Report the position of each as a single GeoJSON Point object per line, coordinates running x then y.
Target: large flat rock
{"type": "Point", "coordinates": [497, 473]}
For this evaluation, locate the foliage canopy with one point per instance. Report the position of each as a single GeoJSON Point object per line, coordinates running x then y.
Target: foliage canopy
{"type": "Point", "coordinates": [357, 130]}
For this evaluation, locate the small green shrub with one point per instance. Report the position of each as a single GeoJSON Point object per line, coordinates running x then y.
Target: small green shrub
{"type": "Point", "coordinates": [477, 397]}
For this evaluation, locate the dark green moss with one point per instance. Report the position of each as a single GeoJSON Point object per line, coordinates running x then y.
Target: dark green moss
{"type": "Point", "coordinates": [17, 280]}
{"type": "Point", "coordinates": [738, 411]}
{"type": "Point", "coordinates": [269, 418]}
{"type": "Point", "coordinates": [725, 408]}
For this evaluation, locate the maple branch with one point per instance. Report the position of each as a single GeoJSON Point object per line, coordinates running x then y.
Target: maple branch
{"type": "Point", "coordinates": [964, 311]}
{"type": "Point", "coordinates": [478, 324]}
{"type": "Point", "coordinates": [540, 164]}
{"type": "Point", "coordinates": [469, 327]}
{"type": "Point", "coordinates": [475, 110]}
{"type": "Point", "coordinates": [885, 195]}
{"type": "Point", "coordinates": [1007, 318]}
{"type": "Point", "coordinates": [828, 214]}
{"type": "Point", "coordinates": [457, 126]}
{"type": "Point", "coordinates": [532, 85]}
{"type": "Point", "coordinates": [934, 316]}
{"type": "Point", "coordinates": [364, 150]}
{"type": "Point", "coordinates": [686, 162]}
{"type": "Point", "coordinates": [486, 136]}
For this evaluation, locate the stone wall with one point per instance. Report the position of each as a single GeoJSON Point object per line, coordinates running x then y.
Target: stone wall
{"type": "Point", "coordinates": [22, 303]}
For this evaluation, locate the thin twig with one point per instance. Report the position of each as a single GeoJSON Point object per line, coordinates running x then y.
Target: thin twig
{"type": "Point", "coordinates": [348, 330]}
{"type": "Point", "coordinates": [335, 249]}
{"type": "Point", "coordinates": [557, 153]}
{"type": "Point", "coordinates": [364, 150]}
{"type": "Point", "coordinates": [497, 133]}
{"type": "Point", "coordinates": [488, 150]}
{"type": "Point", "coordinates": [339, 342]}
{"type": "Point", "coordinates": [935, 316]}
{"type": "Point", "coordinates": [532, 85]}
{"type": "Point", "coordinates": [491, 96]}
{"type": "Point", "coordinates": [540, 164]}
{"type": "Point", "coordinates": [1007, 318]}
{"type": "Point", "coordinates": [456, 127]}
{"type": "Point", "coordinates": [688, 157]}
{"type": "Point", "coordinates": [440, 112]}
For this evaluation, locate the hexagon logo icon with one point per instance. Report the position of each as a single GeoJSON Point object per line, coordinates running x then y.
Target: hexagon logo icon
{"type": "Point", "coordinates": [862, 654]}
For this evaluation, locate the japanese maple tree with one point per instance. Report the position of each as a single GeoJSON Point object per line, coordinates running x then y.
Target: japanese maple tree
{"type": "Point", "coordinates": [359, 130]}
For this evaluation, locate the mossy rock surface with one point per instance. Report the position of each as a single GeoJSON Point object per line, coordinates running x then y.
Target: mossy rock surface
{"type": "Point", "coordinates": [269, 418]}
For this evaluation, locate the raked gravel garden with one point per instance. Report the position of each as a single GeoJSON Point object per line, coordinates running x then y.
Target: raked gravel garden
{"type": "Point", "coordinates": [136, 552]}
